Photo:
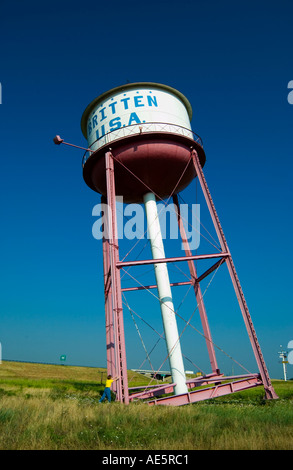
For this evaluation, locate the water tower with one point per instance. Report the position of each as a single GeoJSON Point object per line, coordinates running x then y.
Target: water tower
{"type": "Point", "coordinates": [141, 146]}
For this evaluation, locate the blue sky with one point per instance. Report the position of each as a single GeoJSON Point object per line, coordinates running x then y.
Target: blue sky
{"type": "Point", "coordinates": [233, 61]}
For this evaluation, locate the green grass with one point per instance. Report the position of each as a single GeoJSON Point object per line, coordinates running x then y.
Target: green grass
{"type": "Point", "coordinates": [56, 408]}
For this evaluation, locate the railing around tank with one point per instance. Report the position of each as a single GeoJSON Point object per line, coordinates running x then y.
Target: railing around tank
{"type": "Point", "coordinates": [135, 129]}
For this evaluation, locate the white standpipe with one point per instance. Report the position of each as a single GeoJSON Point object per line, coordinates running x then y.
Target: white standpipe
{"type": "Point", "coordinates": [165, 295]}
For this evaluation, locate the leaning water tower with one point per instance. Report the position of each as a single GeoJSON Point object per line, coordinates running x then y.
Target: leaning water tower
{"type": "Point", "coordinates": [141, 147]}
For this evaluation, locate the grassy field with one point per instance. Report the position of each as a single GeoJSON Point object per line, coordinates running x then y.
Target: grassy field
{"type": "Point", "coordinates": [51, 407]}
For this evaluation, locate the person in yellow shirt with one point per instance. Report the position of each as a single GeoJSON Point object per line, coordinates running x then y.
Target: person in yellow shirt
{"type": "Point", "coordinates": [107, 389]}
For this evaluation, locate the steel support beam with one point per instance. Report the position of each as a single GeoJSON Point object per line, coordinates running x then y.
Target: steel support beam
{"type": "Point", "coordinates": [123, 264]}
{"type": "Point", "coordinates": [208, 393]}
{"type": "Point", "coordinates": [197, 291]}
{"type": "Point", "coordinates": [111, 370]}
{"type": "Point", "coordinates": [211, 269]}
{"type": "Point", "coordinates": [161, 390]}
{"type": "Point", "coordinates": [120, 351]}
{"type": "Point", "coordinates": [154, 286]}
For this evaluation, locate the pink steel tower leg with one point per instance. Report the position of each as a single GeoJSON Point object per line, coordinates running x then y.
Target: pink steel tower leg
{"type": "Point", "coordinates": [111, 370]}
{"type": "Point", "coordinates": [197, 291]}
{"type": "Point", "coordinates": [115, 310]}
{"type": "Point", "coordinates": [269, 390]}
